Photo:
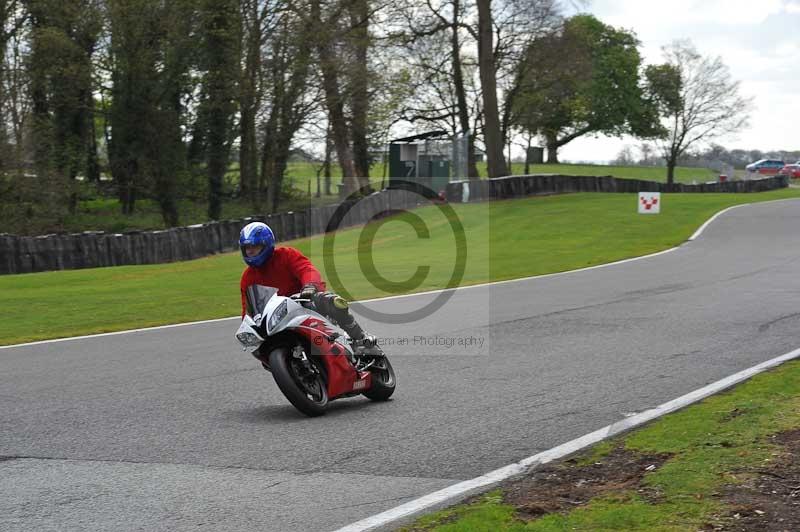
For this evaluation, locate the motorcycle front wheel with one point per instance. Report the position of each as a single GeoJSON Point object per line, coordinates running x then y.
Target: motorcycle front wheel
{"type": "Point", "coordinates": [303, 386]}
{"type": "Point", "coordinates": [383, 380]}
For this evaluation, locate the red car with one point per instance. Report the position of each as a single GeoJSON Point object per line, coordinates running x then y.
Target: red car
{"type": "Point", "coordinates": [792, 170]}
{"type": "Point", "coordinates": [765, 166]}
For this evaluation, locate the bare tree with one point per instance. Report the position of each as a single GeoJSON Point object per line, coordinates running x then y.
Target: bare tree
{"type": "Point", "coordinates": [646, 151]}
{"type": "Point", "coordinates": [359, 41]}
{"type": "Point", "coordinates": [12, 19]}
{"type": "Point", "coordinates": [341, 38]}
{"type": "Point", "coordinates": [447, 69]}
{"type": "Point", "coordinates": [289, 101]}
{"type": "Point", "coordinates": [698, 99]}
{"type": "Point", "coordinates": [434, 36]}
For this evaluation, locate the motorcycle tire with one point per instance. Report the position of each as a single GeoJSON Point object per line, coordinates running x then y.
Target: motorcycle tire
{"type": "Point", "coordinates": [383, 381]}
{"type": "Point", "coordinates": [309, 397]}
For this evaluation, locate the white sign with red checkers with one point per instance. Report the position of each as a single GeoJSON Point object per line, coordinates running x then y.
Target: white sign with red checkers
{"type": "Point", "coordinates": [649, 202]}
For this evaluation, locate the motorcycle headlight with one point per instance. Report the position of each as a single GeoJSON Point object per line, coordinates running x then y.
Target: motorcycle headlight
{"type": "Point", "coordinates": [248, 339]}
{"type": "Point", "coordinates": [278, 315]}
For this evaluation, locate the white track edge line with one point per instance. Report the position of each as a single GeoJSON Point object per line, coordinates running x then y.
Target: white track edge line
{"type": "Point", "coordinates": [723, 211]}
{"type": "Point", "coordinates": [708, 222]}
{"type": "Point", "coordinates": [521, 279]}
{"type": "Point", "coordinates": [442, 496]}
{"type": "Point", "coordinates": [100, 335]}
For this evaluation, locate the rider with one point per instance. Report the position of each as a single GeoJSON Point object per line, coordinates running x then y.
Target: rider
{"type": "Point", "coordinates": [291, 272]}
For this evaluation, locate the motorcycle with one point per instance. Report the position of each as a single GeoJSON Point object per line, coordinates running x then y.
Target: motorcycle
{"type": "Point", "coordinates": [312, 361]}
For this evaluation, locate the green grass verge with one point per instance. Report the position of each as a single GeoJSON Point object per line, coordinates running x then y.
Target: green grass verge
{"type": "Point", "coordinates": [714, 443]}
{"type": "Point", "coordinates": [505, 240]}
{"type": "Point", "coordinates": [301, 173]}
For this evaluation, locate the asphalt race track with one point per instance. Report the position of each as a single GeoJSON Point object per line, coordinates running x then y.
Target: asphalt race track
{"type": "Point", "coordinates": [178, 429]}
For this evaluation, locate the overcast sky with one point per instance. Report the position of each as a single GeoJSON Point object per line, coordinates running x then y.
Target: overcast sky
{"type": "Point", "coordinates": [758, 40]}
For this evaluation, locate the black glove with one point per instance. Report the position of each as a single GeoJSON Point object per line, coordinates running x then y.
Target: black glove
{"type": "Point", "coordinates": [308, 291]}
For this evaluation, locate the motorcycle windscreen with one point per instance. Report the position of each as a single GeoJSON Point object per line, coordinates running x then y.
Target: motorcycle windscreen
{"type": "Point", "coordinates": [256, 296]}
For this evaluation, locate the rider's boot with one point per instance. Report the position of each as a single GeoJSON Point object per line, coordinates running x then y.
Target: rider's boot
{"type": "Point", "coordinates": [366, 344]}
{"type": "Point", "coordinates": [339, 309]}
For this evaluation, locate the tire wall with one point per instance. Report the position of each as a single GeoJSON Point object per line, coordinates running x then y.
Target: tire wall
{"type": "Point", "coordinates": [532, 185]}
{"type": "Point", "coordinates": [92, 249]}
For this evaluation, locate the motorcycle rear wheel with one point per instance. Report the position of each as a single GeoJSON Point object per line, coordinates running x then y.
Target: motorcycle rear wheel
{"type": "Point", "coordinates": [383, 380]}
{"type": "Point", "coordinates": [307, 391]}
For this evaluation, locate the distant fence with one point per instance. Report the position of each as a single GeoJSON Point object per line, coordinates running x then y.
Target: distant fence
{"type": "Point", "coordinates": [92, 249]}
{"type": "Point", "coordinates": [19, 254]}
{"type": "Point", "coordinates": [532, 185]}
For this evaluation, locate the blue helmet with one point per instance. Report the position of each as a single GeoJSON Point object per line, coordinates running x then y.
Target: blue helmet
{"type": "Point", "coordinates": [257, 234]}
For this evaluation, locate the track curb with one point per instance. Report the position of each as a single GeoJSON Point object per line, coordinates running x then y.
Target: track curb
{"type": "Point", "coordinates": [457, 492]}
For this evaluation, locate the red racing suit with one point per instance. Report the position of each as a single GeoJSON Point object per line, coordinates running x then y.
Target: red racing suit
{"type": "Point", "coordinates": [287, 269]}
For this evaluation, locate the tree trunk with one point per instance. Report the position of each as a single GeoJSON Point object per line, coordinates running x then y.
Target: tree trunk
{"type": "Point", "coordinates": [334, 101]}
{"type": "Point", "coordinates": [359, 95]}
{"type": "Point", "coordinates": [123, 177]}
{"type": "Point", "coordinates": [528, 157]}
{"type": "Point", "coordinates": [216, 171]}
{"type": "Point", "coordinates": [496, 162]}
{"type": "Point", "coordinates": [672, 162]}
{"type": "Point", "coordinates": [267, 163]}
{"type": "Point", "coordinates": [278, 173]}
{"type": "Point", "coordinates": [341, 137]}
{"type": "Point", "coordinates": [249, 100]}
{"type": "Point", "coordinates": [166, 154]}
{"type": "Point", "coordinates": [279, 162]}
{"type": "Point", "coordinates": [461, 93]}
{"type": "Point", "coordinates": [248, 152]}
{"type": "Point", "coordinates": [552, 148]}
{"type": "Point", "coordinates": [92, 164]}
{"type": "Point", "coordinates": [327, 164]}
{"type": "Point", "coordinates": [167, 200]}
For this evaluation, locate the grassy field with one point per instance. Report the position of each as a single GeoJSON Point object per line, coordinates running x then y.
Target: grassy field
{"type": "Point", "coordinates": [504, 240]}
{"type": "Point", "coordinates": [97, 213]}
{"type": "Point", "coordinates": [716, 465]}
{"type": "Point", "coordinates": [302, 173]}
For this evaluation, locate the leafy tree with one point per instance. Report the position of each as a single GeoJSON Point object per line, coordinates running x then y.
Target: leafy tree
{"type": "Point", "coordinates": [219, 26]}
{"type": "Point", "coordinates": [63, 40]}
{"type": "Point", "coordinates": [151, 51]}
{"type": "Point", "coordinates": [583, 79]}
